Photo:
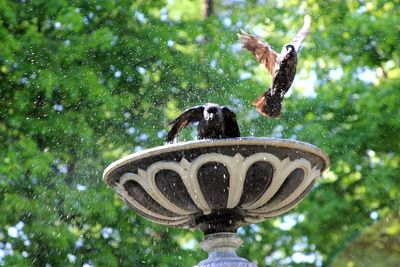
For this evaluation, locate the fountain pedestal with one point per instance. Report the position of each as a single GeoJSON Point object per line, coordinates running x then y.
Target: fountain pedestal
{"type": "Point", "coordinates": [221, 248]}
{"type": "Point", "coordinates": [216, 186]}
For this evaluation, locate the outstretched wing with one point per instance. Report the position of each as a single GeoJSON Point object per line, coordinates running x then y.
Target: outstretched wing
{"type": "Point", "coordinates": [261, 50]}
{"type": "Point", "coordinates": [298, 40]}
{"type": "Point", "coordinates": [231, 126]}
{"type": "Point", "coordinates": [191, 115]}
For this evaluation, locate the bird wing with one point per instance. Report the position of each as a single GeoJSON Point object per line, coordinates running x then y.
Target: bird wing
{"type": "Point", "coordinates": [191, 115]}
{"type": "Point", "coordinates": [298, 40]}
{"type": "Point", "coordinates": [261, 50]}
{"type": "Point", "coordinates": [231, 126]}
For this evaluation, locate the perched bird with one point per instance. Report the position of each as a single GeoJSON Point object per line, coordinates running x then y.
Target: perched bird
{"type": "Point", "coordinates": [215, 122]}
{"type": "Point", "coordinates": [282, 68]}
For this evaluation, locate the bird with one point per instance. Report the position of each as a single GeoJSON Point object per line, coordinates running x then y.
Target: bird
{"type": "Point", "coordinates": [281, 66]}
{"type": "Point", "coordinates": [215, 122]}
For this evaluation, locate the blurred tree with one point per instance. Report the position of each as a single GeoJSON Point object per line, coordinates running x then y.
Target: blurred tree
{"type": "Point", "coordinates": [378, 245]}
{"type": "Point", "coordinates": [207, 8]}
{"type": "Point", "coordinates": [83, 83]}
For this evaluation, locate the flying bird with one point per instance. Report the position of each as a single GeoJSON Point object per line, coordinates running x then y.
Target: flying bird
{"type": "Point", "coordinates": [281, 66]}
{"type": "Point", "coordinates": [215, 122]}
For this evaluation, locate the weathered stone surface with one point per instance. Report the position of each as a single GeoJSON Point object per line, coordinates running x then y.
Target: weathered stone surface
{"type": "Point", "coordinates": [217, 185]}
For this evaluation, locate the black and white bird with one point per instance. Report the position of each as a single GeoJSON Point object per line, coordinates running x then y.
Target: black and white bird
{"type": "Point", "coordinates": [281, 66]}
{"type": "Point", "coordinates": [215, 122]}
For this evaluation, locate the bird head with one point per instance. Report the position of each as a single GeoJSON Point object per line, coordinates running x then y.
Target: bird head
{"type": "Point", "coordinates": [288, 49]}
{"type": "Point", "coordinates": [210, 113]}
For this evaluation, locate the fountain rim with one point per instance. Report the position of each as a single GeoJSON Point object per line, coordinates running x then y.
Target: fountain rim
{"type": "Point", "coordinates": [275, 142]}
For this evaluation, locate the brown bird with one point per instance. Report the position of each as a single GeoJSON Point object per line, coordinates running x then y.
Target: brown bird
{"type": "Point", "coordinates": [282, 68]}
{"type": "Point", "coordinates": [215, 122]}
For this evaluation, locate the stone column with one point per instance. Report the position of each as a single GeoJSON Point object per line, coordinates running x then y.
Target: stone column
{"type": "Point", "coordinates": [221, 248]}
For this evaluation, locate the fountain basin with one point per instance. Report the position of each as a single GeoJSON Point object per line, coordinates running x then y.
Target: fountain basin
{"type": "Point", "coordinates": [217, 185]}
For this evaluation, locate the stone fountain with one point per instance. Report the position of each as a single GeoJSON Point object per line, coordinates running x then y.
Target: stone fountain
{"type": "Point", "coordinates": [217, 186]}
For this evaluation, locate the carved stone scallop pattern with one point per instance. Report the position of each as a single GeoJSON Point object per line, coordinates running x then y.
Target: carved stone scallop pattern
{"type": "Point", "coordinates": [217, 185]}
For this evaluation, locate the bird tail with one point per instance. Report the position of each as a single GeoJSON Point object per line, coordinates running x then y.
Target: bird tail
{"type": "Point", "coordinates": [260, 104]}
{"type": "Point", "coordinates": [267, 105]}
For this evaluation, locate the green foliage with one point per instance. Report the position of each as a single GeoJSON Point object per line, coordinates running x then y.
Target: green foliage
{"type": "Point", "coordinates": [378, 244]}
{"type": "Point", "coordinates": [83, 83]}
